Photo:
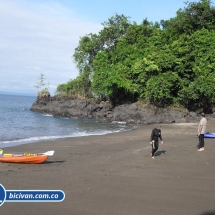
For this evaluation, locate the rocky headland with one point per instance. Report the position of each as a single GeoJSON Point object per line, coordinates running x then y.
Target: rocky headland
{"type": "Point", "coordinates": [134, 113]}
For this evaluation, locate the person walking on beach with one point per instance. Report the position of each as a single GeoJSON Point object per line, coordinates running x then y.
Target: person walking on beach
{"type": "Point", "coordinates": [156, 133]}
{"type": "Point", "coordinates": [201, 132]}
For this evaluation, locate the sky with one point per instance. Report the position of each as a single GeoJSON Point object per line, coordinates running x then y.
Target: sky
{"type": "Point", "coordinates": [40, 37]}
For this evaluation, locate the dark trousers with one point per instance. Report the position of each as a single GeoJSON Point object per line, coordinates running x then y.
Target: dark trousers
{"type": "Point", "coordinates": [201, 141]}
{"type": "Point", "coordinates": [154, 148]}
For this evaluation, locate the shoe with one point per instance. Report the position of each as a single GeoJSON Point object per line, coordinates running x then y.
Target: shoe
{"type": "Point", "coordinates": [153, 157]}
{"type": "Point", "coordinates": [199, 150]}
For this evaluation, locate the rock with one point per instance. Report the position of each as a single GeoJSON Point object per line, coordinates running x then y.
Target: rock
{"type": "Point", "coordinates": [135, 113]}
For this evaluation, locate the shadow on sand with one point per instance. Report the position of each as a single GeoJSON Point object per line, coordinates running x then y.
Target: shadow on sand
{"type": "Point", "coordinates": [158, 153]}
{"type": "Point", "coordinates": [49, 162]}
{"type": "Point", "coordinates": [208, 213]}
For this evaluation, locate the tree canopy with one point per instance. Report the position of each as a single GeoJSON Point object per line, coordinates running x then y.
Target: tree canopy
{"type": "Point", "coordinates": [165, 63]}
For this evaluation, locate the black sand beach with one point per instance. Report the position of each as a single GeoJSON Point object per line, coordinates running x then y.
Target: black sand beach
{"type": "Point", "coordinates": [114, 174]}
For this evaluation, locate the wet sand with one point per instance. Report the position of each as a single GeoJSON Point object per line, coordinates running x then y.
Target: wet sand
{"type": "Point", "coordinates": [114, 174]}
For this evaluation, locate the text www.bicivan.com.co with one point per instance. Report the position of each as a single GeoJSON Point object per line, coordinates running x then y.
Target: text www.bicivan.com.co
{"type": "Point", "coordinates": [32, 196]}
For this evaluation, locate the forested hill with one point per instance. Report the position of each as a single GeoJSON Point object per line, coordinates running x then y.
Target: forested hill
{"type": "Point", "coordinates": [166, 63]}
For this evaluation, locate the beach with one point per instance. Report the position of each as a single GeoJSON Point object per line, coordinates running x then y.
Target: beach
{"type": "Point", "coordinates": [114, 174]}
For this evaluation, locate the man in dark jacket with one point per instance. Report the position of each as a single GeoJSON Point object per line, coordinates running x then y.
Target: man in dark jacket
{"type": "Point", "coordinates": [156, 133]}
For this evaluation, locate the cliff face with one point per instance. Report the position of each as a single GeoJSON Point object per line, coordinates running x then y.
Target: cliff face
{"type": "Point", "coordinates": [136, 113]}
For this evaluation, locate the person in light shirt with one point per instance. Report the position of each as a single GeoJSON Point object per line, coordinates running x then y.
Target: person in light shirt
{"type": "Point", "coordinates": [201, 132]}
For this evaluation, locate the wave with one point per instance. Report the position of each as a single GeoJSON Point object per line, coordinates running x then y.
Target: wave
{"type": "Point", "coordinates": [47, 115]}
{"type": "Point", "coordinates": [39, 139]}
{"type": "Point", "coordinates": [118, 122]}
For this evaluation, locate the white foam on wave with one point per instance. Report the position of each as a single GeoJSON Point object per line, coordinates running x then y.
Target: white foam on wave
{"type": "Point", "coordinates": [77, 134]}
{"type": "Point", "coordinates": [48, 115]}
{"type": "Point", "coordinates": [118, 122]}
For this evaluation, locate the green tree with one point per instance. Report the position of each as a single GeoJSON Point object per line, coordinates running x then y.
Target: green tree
{"type": "Point", "coordinates": [202, 51]}
{"type": "Point", "coordinates": [195, 16]}
{"type": "Point", "coordinates": [92, 44]}
{"type": "Point", "coordinates": [62, 89]}
{"type": "Point", "coordinates": [40, 83]}
{"type": "Point", "coordinates": [114, 29]}
{"type": "Point", "coordinates": [163, 89]}
{"type": "Point", "coordinates": [199, 94]}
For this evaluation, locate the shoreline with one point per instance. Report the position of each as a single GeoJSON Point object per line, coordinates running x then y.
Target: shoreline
{"type": "Point", "coordinates": [15, 143]}
{"type": "Point", "coordinates": [25, 142]}
{"type": "Point", "coordinates": [114, 174]}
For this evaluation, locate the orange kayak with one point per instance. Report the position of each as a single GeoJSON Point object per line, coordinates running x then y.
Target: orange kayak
{"type": "Point", "coordinates": [24, 159]}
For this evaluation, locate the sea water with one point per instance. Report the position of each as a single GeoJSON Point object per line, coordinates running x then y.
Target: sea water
{"type": "Point", "coordinates": [19, 125]}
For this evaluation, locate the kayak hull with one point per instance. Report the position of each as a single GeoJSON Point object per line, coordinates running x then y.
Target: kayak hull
{"type": "Point", "coordinates": [24, 159]}
{"type": "Point", "coordinates": [209, 135]}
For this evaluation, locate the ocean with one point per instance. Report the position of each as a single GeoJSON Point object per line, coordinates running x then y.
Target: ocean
{"type": "Point", "coordinates": [19, 125]}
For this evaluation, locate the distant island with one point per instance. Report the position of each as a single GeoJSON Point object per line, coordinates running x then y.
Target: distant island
{"type": "Point", "coordinates": [18, 94]}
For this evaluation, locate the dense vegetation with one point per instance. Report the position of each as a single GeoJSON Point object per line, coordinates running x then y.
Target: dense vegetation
{"type": "Point", "coordinates": [171, 62]}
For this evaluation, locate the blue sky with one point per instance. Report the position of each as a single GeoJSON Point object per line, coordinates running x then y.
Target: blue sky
{"type": "Point", "coordinates": [39, 37]}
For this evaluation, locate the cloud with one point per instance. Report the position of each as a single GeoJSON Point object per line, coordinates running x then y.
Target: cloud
{"type": "Point", "coordinates": [38, 38]}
